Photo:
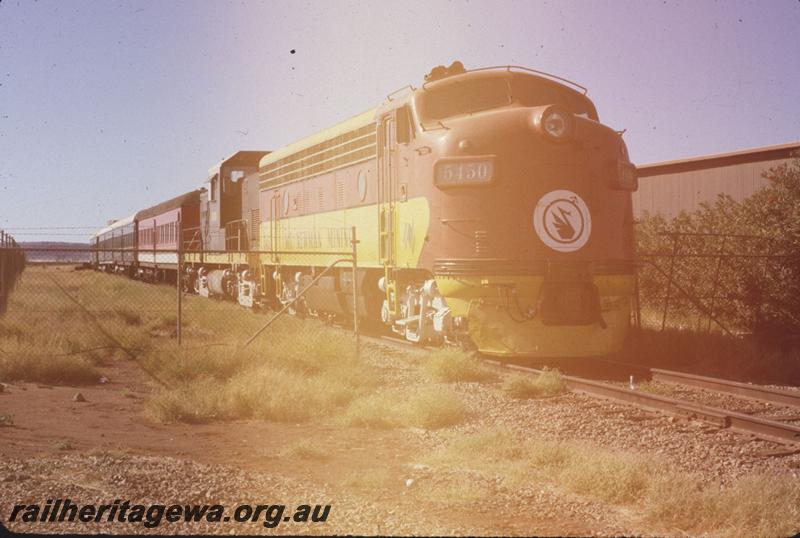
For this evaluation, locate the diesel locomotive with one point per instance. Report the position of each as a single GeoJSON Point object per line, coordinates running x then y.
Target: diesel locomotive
{"type": "Point", "coordinates": [491, 206]}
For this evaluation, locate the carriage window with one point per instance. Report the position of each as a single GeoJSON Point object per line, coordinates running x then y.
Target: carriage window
{"type": "Point", "coordinates": [464, 97]}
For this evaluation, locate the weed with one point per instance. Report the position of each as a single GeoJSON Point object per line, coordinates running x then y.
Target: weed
{"type": "Point", "coordinates": [455, 365]}
{"type": "Point", "coordinates": [128, 316]}
{"type": "Point", "coordinates": [380, 411]}
{"type": "Point", "coordinates": [434, 407]}
{"type": "Point", "coordinates": [26, 363]}
{"type": "Point", "coordinates": [654, 387]}
{"type": "Point", "coordinates": [6, 420]}
{"type": "Point", "coordinates": [756, 505]}
{"type": "Point", "coordinates": [548, 383]}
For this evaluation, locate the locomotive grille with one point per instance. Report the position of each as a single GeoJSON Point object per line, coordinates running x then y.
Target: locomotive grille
{"type": "Point", "coordinates": [481, 241]}
{"type": "Point", "coordinates": [337, 152]}
{"type": "Point", "coordinates": [255, 222]}
{"type": "Point", "coordinates": [339, 193]}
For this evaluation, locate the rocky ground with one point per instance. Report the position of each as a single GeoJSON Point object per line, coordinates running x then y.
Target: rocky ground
{"type": "Point", "coordinates": [376, 481]}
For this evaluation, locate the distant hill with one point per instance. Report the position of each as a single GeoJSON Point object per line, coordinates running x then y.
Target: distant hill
{"type": "Point", "coordinates": [52, 254]}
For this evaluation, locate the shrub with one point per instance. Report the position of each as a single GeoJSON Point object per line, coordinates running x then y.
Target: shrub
{"type": "Point", "coordinates": [28, 364]}
{"type": "Point", "coordinates": [433, 407]}
{"type": "Point", "coordinates": [548, 383]}
{"type": "Point", "coordinates": [455, 365]}
{"type": "Point", "coordinates": [755, 294]}
{"type": "Point", "coordinates": [380, 411]}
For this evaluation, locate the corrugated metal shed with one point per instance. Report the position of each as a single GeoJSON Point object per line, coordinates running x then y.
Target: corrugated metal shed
{"type": "Point", "coordinates": [670, 187]}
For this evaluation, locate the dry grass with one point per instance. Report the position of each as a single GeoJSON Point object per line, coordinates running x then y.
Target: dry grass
{"type": "Point", "coordinates": [46, 337]}
{"type": "Point", "coordinates": [654, 387]}
{"type": "Point", "coordinates": [23, 361]}
{"type": "Point", "coordinates": [548, 383]}
{"type": "Point", "coordinates": [293, 375]}
{"type": "Point", "coordinates": [380, 411]}
{"type": "Point", "coordinates": [294, 372]}
{"type": "Point", "coordinates": [673, 501]}
{"type": "Point", "coordinates": [431, 407]}
{"type": "Point", "coordinates": [450, 365]}
{"type": "Point", "coordinates": [434, 407]}
{"type": "Point", "coordinates": [63, 445]}
{"type": "Point", "coordinates": [128, 316]}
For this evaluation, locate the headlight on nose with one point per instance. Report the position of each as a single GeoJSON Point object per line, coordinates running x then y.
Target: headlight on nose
{"type": "Point", "coordinates": [555, 122]}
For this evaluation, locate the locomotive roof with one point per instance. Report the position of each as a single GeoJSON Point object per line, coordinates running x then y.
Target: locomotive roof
{"type": "Point", "coordinates": [116, 224]}
{"type": "Point", "coordinates": [345, 126]}
{"type": "Point", "coordinates": [369, 116]}
{"type": "Point", "coordinates": [192, 197]}
{"type": "Point", "coordinates": [240, 158]}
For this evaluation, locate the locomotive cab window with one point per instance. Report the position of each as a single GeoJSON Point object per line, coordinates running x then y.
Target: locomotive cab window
{"type": "Point", "coordinates": [464, 97]}
{"type": "Point", "coordinates": [405, 127]}
{"type": "Point", "coordinates": [530, 92]}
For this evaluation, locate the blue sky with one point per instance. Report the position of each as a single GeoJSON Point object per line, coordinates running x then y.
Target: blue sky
{"type": "Point", "coordinates": [109, 107]}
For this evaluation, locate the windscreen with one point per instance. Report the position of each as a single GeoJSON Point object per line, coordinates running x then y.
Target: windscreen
{"type": "Point", "coordinates": [529, 91]}
{"type": "Point", "coordinates": [465, 97]}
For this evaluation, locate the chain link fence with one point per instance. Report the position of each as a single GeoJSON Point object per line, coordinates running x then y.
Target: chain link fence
{"type": "Point", "coordinates": [12, 262]}
{"type": "Point", "coordinates": [77, 301]}
{"type": "Point", "coordinates": [710, 282]}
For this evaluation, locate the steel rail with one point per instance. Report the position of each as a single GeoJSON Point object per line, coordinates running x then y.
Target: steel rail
{"type": "Point", "coordinates": [743, 390]}
{"type": "Point", "coordinates": [766, 429]}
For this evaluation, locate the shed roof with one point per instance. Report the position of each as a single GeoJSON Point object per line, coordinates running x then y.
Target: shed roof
{"type": "Point", "coordinates": [750, 155]}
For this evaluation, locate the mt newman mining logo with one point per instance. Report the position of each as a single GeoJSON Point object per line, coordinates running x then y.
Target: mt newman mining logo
{"type": "Point", "coordinates": [562, 220]}
{"type": "Point", "coordinates": [59, 511]}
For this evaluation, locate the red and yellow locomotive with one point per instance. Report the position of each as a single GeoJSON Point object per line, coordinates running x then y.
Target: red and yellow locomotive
{"type": "Point", "coordinates": [490, 205]}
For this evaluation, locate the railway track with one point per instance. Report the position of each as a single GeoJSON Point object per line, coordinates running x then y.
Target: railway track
{"type": "Point", "coordinates": [767, 429]}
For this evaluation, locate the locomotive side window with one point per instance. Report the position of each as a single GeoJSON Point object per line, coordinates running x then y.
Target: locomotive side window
{"type": "Point", "coordinates": [405, 128]}
{"type": "Point", "coordinates": [213, 193]}
{"type": "Point", "coordinates": [465, 97]}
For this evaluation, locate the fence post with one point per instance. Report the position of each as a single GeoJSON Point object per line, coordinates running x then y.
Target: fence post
{"type": "Point", "coordinates": [669, 280]}
{"type": "Point", "coordinates": [354, 244]}
{"type": "Point", "coordinates": [716, 282]}
{"type": "Point", "coordinates": [179, 281]}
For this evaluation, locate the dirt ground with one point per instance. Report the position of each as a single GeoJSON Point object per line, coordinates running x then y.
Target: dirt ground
{"type": "Point", "coordinates": [108, 448]}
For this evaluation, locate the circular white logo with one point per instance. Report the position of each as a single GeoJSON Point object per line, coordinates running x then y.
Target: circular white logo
{"type": "Point", "coordinates": [562, 221]}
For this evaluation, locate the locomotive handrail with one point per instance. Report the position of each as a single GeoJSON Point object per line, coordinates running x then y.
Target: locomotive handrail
{"type": "Point", "coordinates": [520, 68]}
{"type": "Point", "coordinates": [389, 96]}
